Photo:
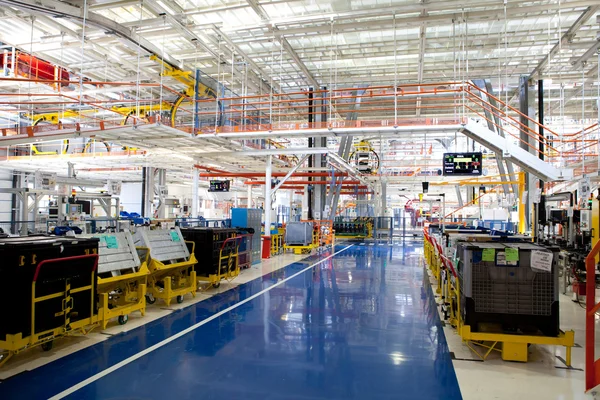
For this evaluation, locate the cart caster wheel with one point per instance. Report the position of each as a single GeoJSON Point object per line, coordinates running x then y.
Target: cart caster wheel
{"type": "Point", "coordinates": [150, 300]}
{"type": "Point", "coordinates": [216, 285]}
{"type": "Point", "coordinates": [47, 346]}
{"type": "Point", "coordinates": [123, 319]}
{"type": "Point", "coordinates": [179, 299]}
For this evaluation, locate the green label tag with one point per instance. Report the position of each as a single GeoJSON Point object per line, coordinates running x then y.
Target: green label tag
{"type": "Point", "coordinates": [111, 242]}
{"type": "Point", "coordinates": [488, 255]}
{"type": "Point", "coordinates": [175, 236]}
{"type": "Point", "coordinates": [512, 254]}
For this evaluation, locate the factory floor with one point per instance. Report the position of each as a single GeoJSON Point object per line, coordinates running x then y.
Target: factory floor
{"type": "Point", "coordinates": [359, 321]}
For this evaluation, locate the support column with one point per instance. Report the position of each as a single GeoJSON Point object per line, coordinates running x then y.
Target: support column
{"type": "Point", "coordinates": [24, 212]}
{"type": "Point", "coordinates": [305, 203]}
{"type": "Point", "coordinates": [383, 199]}
{"type": "Point", "coordinates": [249, 202]}
{"type": "Point", "coordinates": [147, 191]}
{"type": "Point", "coordinates": [268, 197]}
{"type": "Point", "coordinates": [524, 109]}
{"type": "Point", "coordinates": [162, 182]}
{"type": "Point", "coordinates": [195, 194]}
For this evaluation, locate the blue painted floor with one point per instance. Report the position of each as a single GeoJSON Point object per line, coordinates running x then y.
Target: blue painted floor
{"type": "Point", "coordinates": [360, 325]}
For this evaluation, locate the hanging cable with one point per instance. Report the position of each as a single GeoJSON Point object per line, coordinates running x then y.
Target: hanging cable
{"type": "Point", "coordinates": [195, 116]}
{"type": "Point", "coordinates": [454, 62]}
{"type": "Point", "coordinates": [505, 59]}
{"type": "Point", "coordinates": [583, 117]}
{"type": "Point", "coordinates": [280, 77]}
{"type": "Point", "coordinates": [84, 24]}
{"type": "Point", "coordinates": [218, 86]}
{"type": "Point", "coordinates": [271, 88]}
{"type": "Point", "coordinates": [549, 113]}
{"type": "Point", "coordinates": [464, 76]}
{"type": "Point", "coordinates": [162, 68]}
{"type": "Point", "coordinates": [331, 73]}
{"type": "Point", "coordinates": [31, 68]}
{"type": "Point", "coordinates": [562, 89]}
{"type": "Point", "coordinates": [137, 81]}
{"type": "Point", "coordinates": [395, 76]}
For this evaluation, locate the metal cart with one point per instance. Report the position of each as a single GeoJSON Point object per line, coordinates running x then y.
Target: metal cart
{"type": "Point", "coordinates": [122, 278]}
{"type": "Point", "coordinates": [228, 263]}
{"type": "Point", "coordinates": [171, 265]}
{"type": "Point", "coordinates": [54, 287]}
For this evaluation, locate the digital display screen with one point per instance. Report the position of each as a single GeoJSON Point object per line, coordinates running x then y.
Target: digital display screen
{"type": "Point", "coordinates": [463, 164]}
{"type": "Point", "coordinates": [219, 186]}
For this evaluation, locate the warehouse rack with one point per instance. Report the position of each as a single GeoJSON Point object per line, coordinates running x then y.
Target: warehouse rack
{"type": "Point", "coordinates": [513, 347]}
{"type": "Point", "coordinates": [172, 273]}
{"type": "Point", "coordinates": [122, 278]}
{"type": "Point", "coordinates": [53, 289]}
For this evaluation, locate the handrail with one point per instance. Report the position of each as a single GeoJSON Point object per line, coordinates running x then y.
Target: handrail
{"type": "Point", "coordinates": [592, 366]}
{"type": "Point", "coordinates": [512, 108]}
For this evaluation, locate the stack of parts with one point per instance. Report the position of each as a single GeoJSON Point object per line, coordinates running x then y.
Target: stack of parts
{"type": "Point", "coordinates": [122, 278]}
{"type": "Point", "coordinates": [211, 249]}
{"type": "Point", "coordinates": [50, 284]}
{"type": "Point", "coordinates": [511, 284]}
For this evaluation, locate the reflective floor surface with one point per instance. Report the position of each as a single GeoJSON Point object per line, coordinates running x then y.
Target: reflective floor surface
{"type": "Point", "coordinates": [361, 324]}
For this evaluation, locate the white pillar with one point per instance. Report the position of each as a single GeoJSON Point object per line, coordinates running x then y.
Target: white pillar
{"type": "Point", "coordinates": [249, 196]}
{"type": "Point", "coordinates": [195, 194]}
{"type": "Point", "coordinates": [305, 205]}
{"type": "Point", "coordinates": [268, 197]}
{"type": "Point", "coordinates": [291, 203]}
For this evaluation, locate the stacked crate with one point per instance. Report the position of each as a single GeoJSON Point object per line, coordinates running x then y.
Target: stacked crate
{"type": "Point", "coordinates": [44, 298]}
{"type": "Point", "coordinates": [497, 289]}
{"type": "Point", "coordinates": [211, 249]}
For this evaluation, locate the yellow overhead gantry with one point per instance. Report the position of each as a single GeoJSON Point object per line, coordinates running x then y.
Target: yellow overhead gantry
{"type": "Point", "coordinates": [187, 78]}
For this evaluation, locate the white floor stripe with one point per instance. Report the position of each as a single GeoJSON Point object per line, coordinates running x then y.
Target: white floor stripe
{"type": "Point", "coordinates": [168, 340]}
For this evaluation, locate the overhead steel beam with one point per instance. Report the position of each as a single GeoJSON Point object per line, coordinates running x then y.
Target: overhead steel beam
{"type": "Point", "coordinates": [568, 36]}
{"type": "Point", "coordinates": [564, 40]}
{"type": "Point", "coordinates": [422, 33]}
{"type": "Point", "coordinates": [310, 79]}
{"type": "Point", "coordinates": [60, 9]}
{"type": "Point", "coordinates": [289, 174]}
{"type": "Point", "coordinates": [266, 152]}
{"type": "Point", "coordinates": [592, 51]}
{"type": "Point", "coordinates": [324, 28]}
{"type": "Point", "coordinates": [401, 132]}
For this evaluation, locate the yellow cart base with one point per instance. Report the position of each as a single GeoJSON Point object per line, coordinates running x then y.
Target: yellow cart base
{"type": "Point", "coordinates": [14, 344]}
{"type": "Point", "coordinates": [514, 347]}
{"type": "Point", "coordinates": [173, 287]}
{"type": "Point", "coordinates": [300, 249]}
